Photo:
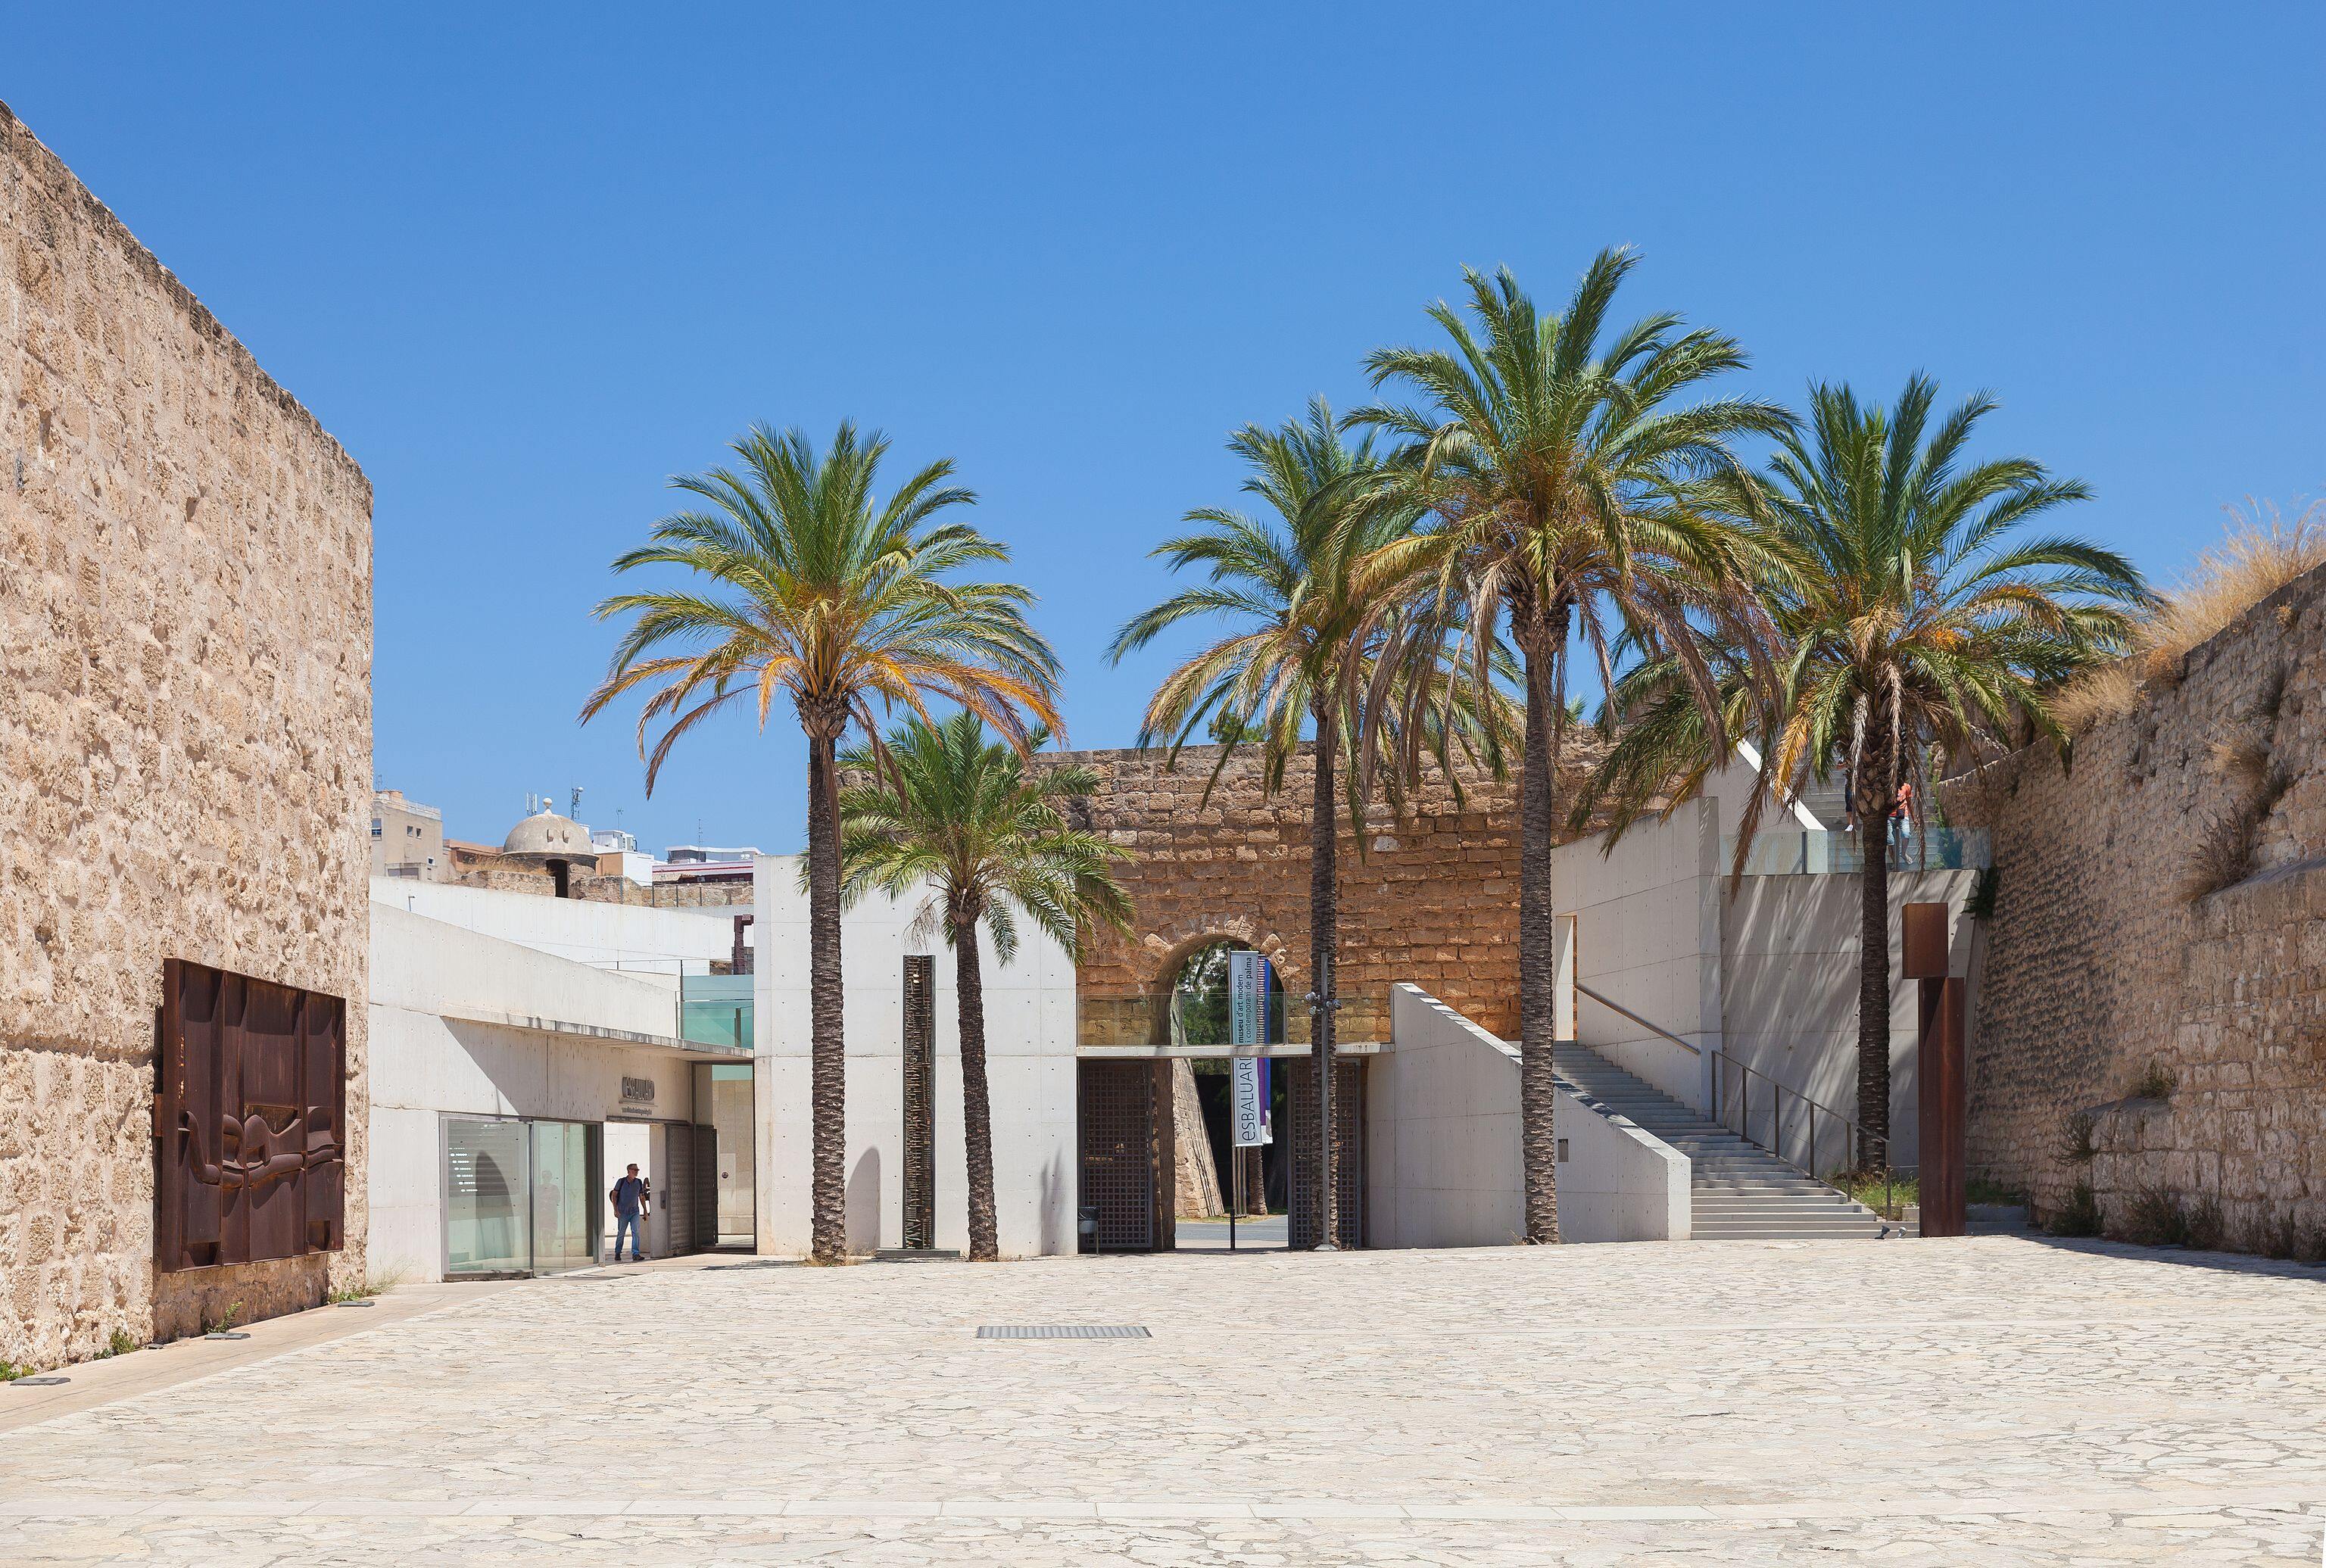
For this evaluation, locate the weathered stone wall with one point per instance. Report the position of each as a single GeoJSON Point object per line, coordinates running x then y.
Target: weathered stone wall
{"type": "Point", "coordinates": [2100, 963]}
{"type": "Point", "coordinates": [185, 738]}
{"type": "Point", "coordinates": [1433, 900]}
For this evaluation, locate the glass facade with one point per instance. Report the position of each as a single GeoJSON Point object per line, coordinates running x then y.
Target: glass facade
{"type": "Point", "coordinates": [519, 1196]}
{"type": "Point", "coordinates": [715, 1010]}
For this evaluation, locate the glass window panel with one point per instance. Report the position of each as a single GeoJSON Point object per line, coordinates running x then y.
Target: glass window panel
{"type": "Point", "coordinates": [485, 1197]}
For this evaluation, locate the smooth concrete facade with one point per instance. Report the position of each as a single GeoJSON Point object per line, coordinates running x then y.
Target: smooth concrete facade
{"type": "Point", "coordinates": [633, 938]}
{"type": "Point", "coordinates": [471, 1025]}
{"type": "Point", "coordinates": [1762, 970]}
{"type": "Point", "coordinates": [1029, 1030]}
{"type": "Point", "coordinates": [1444, 1163]}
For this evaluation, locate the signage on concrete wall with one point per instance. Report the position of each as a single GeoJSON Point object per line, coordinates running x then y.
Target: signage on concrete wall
{"type": "Point", "coordinates": [638, 1091]}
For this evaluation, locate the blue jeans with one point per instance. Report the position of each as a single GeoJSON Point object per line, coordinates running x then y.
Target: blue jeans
{"type": "Point", "coordinates": [634, 1226]}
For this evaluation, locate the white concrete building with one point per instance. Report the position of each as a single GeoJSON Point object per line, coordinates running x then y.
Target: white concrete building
{"type": "Point", "coordinates": [1029, 1030]}
{"type": "Point", "coordinates": [512, 1081]}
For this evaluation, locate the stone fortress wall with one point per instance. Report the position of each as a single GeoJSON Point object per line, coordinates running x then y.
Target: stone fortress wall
{"type": "Point", "coordinates": [1433, 899]}
{"type": "Point", "coordinates": [185, 741]}
{"type": "Point", "coordinates": [2099, 964]}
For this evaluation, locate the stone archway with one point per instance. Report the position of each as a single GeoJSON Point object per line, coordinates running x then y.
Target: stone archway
{"type": "Point", "coordinates": [1184, 1015]}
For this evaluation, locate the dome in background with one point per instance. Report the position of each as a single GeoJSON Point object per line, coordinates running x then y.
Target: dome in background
{"type": "Point", "coordinates": [546, 836]}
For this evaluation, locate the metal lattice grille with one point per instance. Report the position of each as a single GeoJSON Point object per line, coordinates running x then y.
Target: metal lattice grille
{"type": "Point", "coordinates": [1063, 1332]}
{"type": "Point", "coordinates": [920, 1228]}
{"type": "Point", "coordinates": [1118, 1118]}
{"type": "Point", "coordinates": [1349, 1128]}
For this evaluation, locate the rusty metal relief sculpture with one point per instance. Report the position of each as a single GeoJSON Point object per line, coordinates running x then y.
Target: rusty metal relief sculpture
{"type": "Point", "coordinates": [249, 1120]}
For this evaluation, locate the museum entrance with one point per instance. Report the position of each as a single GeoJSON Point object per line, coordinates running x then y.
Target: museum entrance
{"type": "Point", "coordinates": [1159, 1170]}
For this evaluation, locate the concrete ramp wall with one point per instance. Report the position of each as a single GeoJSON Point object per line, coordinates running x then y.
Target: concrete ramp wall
{"type": "Point", "coordinates": [1443, 1165]}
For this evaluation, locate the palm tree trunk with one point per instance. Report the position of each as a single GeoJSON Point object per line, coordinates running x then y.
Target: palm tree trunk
{"type": "Point", "coordinates": [1324, 931]}
{"type": "Point", "coordinates": [827, 1050]}
{"type": "Point", "coordinates": [976, 1096]}
{"type": "Point", "coordinates": [1538, 1004]}
{"type": "Point", "coordinates": [1874, 981]}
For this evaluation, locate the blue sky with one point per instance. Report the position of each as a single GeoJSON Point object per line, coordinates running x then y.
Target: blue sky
{"type": "Point", "coordinates": [527, 267]}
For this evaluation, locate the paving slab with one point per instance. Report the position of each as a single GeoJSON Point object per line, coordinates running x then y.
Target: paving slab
{"type": "Point", "coordinates": [1996, 1399]}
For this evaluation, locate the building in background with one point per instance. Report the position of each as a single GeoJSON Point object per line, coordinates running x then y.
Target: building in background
{"type": "Point", "coordinates": [526, 1049]}
{"type": "Point", "coordinates": [407, 838]}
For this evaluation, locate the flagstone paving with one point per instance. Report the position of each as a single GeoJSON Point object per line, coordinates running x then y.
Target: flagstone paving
{"type": "Point", "coordinates": [1995, 1399]}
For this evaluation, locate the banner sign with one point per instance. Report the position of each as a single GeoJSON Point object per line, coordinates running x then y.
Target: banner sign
{"type": "Point", "coordinates": [1247, 998]}
{"type": "Point", "coordinates": [1249, 1077]}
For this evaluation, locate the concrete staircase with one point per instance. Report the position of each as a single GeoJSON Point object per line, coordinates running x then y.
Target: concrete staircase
{"type": "Point", "coordinates": [1741, 1191]}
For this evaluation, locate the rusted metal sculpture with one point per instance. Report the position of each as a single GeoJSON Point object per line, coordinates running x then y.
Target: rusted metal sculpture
{"type": "Point", "coordinates": [249, 1120]}
{"type": "Point", "coordinates": [1940, 1097]}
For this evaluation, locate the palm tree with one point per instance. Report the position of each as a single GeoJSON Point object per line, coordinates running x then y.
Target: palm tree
{"type": "Point", "coordinates": [1564, 494]}
{"type": "Point", "coordinates": [1300, 652]}
{"type": "Point", "coordinates": [962, 815]}
{"type": "Point", "coordinates": [1909, 620]}
{"type": "Point", "coordinates": [811, 588]}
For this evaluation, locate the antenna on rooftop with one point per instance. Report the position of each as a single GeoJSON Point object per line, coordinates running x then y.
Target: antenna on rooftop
{"type": "Point", "coordinates": [574, 809]}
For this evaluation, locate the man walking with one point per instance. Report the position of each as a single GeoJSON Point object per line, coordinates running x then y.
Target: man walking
{"type": "Point", "coordinates": [630, 1196]}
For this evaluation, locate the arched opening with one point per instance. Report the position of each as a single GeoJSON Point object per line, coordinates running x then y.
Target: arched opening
{"type": "Point", "coordinates": [1251, 1183]}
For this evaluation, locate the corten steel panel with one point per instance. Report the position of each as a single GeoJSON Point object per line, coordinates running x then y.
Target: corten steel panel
{"type": "Point", "coordinates": [249, 1120]}
{"type": "Point", "coordinates": [1349, 1142]}
{"type": "Point", "coordinates": [1941, 1108]}
{"type": "Point", "coordinates": [920, 1183]}
{"type": "Point", "coordinates": [1922, 942]}
{"type": "Point", "coordinates": [1117, 1103]}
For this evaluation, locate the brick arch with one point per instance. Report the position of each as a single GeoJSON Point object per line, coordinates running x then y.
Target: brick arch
{"type": "Point", "coordinates": [1433, 899]}
{"type": "Point", "coordinates": [1171, 956]}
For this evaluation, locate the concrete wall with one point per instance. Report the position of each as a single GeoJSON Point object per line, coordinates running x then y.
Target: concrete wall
{"type": "Point", "coordinates": [632, 938]}
{"type": "Point", "coordinates": [1443, 1163]}
{"type": "Point", "coordinates": [2100, 961]}
{"type": "Point", "coordinates": [185, 745]}
{"type": "Point", "coordinates": [1789, 951]}
{"type": "Point", "coordinates": [1029, 1029]}
{"type": "Point", "coordinates": [465, 1023]}
{"type": "Point", "coordinates": [1647, 935]}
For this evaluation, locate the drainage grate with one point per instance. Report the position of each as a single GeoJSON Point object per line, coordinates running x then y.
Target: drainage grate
{"type": "Point", "coordinates": [1063, 1332]}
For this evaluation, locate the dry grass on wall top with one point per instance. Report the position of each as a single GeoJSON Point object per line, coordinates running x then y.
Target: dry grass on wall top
{"type": "Point", "coordinates": [2261, 551]}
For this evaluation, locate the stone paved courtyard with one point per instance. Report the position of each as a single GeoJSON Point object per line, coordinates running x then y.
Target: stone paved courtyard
{"type": "Point", "coordinates": [1998, 1399]}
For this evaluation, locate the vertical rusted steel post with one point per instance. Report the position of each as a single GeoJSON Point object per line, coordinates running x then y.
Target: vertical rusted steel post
{"type": "Point", "coordinates": [1939, 1089]}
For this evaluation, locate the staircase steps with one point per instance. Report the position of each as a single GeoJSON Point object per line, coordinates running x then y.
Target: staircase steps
{"type": "Point", "coordinates": [1739, 1191]}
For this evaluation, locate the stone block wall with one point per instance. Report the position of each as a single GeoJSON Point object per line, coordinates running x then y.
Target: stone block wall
{"type": "Point", "coordinates": [2099, 963]}
{"type": "Point", "coordinates": [1433, 900]}
{"type": "Point", "coordinates": [185, 741]}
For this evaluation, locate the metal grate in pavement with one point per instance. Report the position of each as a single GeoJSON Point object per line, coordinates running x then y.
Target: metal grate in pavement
{"type": "Point", "coordinates": [1063, 1332]}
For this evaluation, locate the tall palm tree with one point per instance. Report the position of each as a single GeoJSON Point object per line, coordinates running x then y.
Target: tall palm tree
{"type": "Point", "coordinates": [1909, 620]}
{"type": "Point", "coordinates": [1564, 494]}
{"type": "Point", "coordinates": [814, 589]}
{"type": "Point", "coordinates": [962, 815]}
{"type": "Point", "coordinates": [1300, 654]}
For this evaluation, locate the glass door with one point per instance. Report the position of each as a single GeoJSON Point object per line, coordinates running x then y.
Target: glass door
{"type": "Point", "coordinates": [564, 1191]}
{"type": "Point", "coordinates": [485, 1197]}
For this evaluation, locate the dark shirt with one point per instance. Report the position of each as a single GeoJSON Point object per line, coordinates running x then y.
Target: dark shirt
{"type": "Point", "coordinates": [628, 1192]}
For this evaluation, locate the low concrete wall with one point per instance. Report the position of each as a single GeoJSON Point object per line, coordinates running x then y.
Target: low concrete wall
{"type": "Point", "coordinates": [1443, 1161]}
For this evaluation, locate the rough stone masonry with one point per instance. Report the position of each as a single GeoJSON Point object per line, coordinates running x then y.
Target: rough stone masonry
{"type": "Point", "coordinates": [2112, 966]}
{"type": "Point", "coordinates": [1430, 896]}
{"type": "Point", "coordinates": [185, 741]}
